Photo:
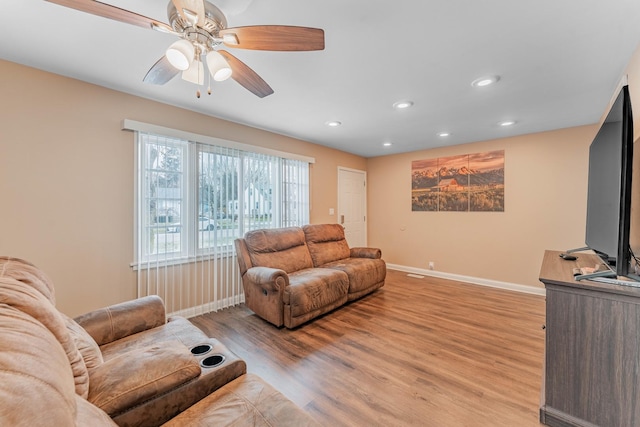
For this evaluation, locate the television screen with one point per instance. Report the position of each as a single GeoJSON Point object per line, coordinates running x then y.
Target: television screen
{"type": "Point", "coordinates": [609, 191]}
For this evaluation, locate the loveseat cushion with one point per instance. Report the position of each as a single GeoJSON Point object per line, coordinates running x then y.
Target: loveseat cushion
{"type": "Point", "coordinates": [326, 243]}
{"type": "Point", "coordinates": [280, 248]}
{"type": "Point", "coordinates": [246, 401]}
{"type": "Point", "coordinates": [364, 273]}
{"type": "Point", "coordinates": [314, 288]}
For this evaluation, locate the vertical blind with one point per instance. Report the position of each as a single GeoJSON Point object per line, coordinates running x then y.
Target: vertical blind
{"type": "Point", "coordinates": [192, 200]}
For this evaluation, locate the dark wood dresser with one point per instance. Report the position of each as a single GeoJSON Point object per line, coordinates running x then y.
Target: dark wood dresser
{"type": "Point", "coordinates": [592, 351]}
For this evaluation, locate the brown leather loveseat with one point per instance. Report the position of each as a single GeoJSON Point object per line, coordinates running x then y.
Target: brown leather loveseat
{"type": "Point", "coordinates": [292, 275]}
{"type": "Point", "coordinates": [123, 365]}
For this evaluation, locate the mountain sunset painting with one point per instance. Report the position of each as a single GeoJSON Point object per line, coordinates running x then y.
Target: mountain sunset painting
{"type": "Point", "coordinates": [464, 183]}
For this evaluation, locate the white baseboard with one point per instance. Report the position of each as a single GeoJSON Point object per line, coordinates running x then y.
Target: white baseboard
{"type": "Point", "coordinates": [230, 302]}
{"type": "Point", "coordinates": [209, 307]}
{"type": "Point", "coordinates": [468, 279]}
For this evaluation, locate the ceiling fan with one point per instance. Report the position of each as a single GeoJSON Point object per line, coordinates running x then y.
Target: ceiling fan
{"type": "Point", "coordinates": [202, 29]}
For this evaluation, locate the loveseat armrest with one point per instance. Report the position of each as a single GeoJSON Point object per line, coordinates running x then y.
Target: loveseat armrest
{"type": "Point", "coordinates": [268, 279]}
{"type": "Point", "coordinates": [264, 292]}
{"type": "Point", "coordinates": [137, 376]}
{"type": "Point", "coordinates": [117, 321]}
{"type": "Point", "coordinates": [373, 253]}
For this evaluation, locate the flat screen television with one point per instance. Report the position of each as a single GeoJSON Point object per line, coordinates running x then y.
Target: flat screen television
{"type": "Point", "coordinates": [610, 187]}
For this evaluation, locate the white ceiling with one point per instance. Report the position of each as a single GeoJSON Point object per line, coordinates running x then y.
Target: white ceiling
{"type": "Point", "coordinates": [559, 64]}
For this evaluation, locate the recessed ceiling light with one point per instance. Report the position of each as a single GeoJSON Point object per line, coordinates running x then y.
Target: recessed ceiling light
{"type": "Point", "coordinates": [507, 123]}
{"type": "Point", "coordinates": [443, 134]}
{"type": "Point", "coordinates": [401, 105]}
{"type": "Point", "coordinates": [485, 81]}
{"type": "Point", "coordinates": [333, 123]}
{"type": "Point", "coordinates": [387, 144]}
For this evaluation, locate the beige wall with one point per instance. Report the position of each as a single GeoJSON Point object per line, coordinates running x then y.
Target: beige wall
{"type": "Point", "coordinates": [545, 200]}
{"type": "Point", "coordinates": [66, 178]}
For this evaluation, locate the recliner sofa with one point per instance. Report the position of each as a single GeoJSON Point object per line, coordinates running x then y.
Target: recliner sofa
{"type": "Point", "coordinates": [292, 275]}
{"type": "Point", "coordinates": [122, 365]}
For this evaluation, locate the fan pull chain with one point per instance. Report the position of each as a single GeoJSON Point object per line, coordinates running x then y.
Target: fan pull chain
{"type": "Point", "coordinates": [198, 92]}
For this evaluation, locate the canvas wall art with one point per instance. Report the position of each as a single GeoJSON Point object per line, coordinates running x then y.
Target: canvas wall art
{"type": "Point", "coordinates": [464, 183]}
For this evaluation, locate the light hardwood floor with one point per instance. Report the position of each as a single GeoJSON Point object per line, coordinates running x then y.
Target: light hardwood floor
{"type": "Point", "coordinates": [418, 352]}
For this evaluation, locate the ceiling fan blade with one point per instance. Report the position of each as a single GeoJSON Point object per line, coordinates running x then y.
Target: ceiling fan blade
{"type": "Point", "coordinates": [274, 37]}
{"type": "Point", "coordinates": [196, 6]}
{"type": "Point", "coordinates": [246, 76]}
{"type": "Point", "coordinates": [161, 72]}
{"type": "Point", "coordinates": [112, 12]}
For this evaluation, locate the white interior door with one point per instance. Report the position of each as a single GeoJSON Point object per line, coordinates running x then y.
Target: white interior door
{"type": "Point", "coordinates": [352, 205]}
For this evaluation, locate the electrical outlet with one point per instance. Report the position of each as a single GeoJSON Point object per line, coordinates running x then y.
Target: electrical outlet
{"type": "Point", "coordinates": [432, 265]}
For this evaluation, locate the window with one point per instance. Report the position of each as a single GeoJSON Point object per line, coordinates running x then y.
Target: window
{"type": "Point", "coordinates": [195, 198]}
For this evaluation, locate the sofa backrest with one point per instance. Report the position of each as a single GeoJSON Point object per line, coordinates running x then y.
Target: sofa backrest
{"type": "Point", "coordinates": [28, 300]}
{"type": "Point", "coordinates": [326, 243]}
{"type": "Point", "coordinates": [27, 273]}
{"type": "Point", "coordinates": [25, 287]}
{"type": "Point", "coordinates": [282, 248]}
{"type": "Point", "coordinates": [37, 385]}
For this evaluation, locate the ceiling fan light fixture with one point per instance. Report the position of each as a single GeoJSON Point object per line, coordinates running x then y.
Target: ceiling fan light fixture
{"type": "Point", "coordinates": [180, 54]}
{"type": "Point", "coordinates": [218, 66]}
{"type": "Point", "coordinates": [195, 73]}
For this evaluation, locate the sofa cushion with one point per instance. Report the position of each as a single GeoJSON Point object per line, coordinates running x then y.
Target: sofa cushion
{"type": "Point", "coordinates": [91, 415]}
{"type": "Point", "coordinates": [363, 272]}
{"type": "Point", "coordinates": [282, 248]}
{"type": "Point", "coordinates": [246, 401]}
{"type": "Point", "coordinates": [176, 329]}
{"type": "Point", "coordinates": [326, 243]}
{"type": "Point", "coordinates": [313, 288]}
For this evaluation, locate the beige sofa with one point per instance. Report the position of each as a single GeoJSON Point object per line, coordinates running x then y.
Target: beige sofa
{"type": "Point", "coordinates": [129, 367]}
{"type": "Point", "coordinates": [292, 275]}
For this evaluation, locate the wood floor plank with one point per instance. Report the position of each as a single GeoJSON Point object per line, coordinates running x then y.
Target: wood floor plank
{"type": "Point", "coordinates": [423, 352]}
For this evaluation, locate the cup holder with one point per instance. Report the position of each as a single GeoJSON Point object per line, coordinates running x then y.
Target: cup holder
{"type": "Point", "coordinates": [212, 361]}
{"type": "Point", "coordinates": [201, 349]}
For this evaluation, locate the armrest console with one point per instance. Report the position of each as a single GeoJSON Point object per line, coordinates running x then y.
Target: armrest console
{"type": "Point", "coordinates": [132, 378]}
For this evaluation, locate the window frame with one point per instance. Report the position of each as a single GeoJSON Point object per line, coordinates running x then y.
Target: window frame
{"type": "Point", "coordinates": [190, 235]}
